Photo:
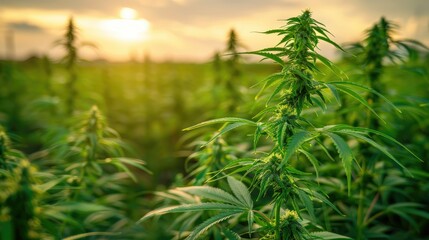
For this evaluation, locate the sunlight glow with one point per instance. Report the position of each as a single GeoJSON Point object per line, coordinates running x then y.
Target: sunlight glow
{"type": "Point", "coordinates": [128, 13]}
{"type": "Point", "coordinates": [126, 29]}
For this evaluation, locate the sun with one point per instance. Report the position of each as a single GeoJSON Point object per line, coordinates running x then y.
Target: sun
{"type": "Point", "coordinates": [127, 27]}
{"type": "Point", "coordinates": [128, 13]}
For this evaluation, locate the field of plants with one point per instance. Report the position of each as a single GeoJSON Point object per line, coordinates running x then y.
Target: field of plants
{"type": "Point", "coordinates": [293, 147]}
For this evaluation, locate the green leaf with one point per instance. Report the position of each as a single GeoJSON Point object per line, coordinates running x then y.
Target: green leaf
{"type": "Point", "coordinates": [388, 138]}
{"type": "Point", "coordinates": [140, 164]}
{"type": "Point", "coordinates": [269, 56]}
{"type": "Point", "coordinates": [339, 127]}
{"type": "Point", "coordinates": [230, 235]}
{"type": "Point", "coordinates": [367, 89]}
{"type": "Point", "coordinates": [250, 220]}
{"type": "Point", "coordinates": [240, 191]}
{"type": "Point", "coordinates": [224, 130]}
{"type": "Point", "coordinates": [200, 229]}
{"type": "Point", "coordinates": [312, 160]}
{"type": "Point", "coordinates": [282, 134]}
{"type": "Point", "coordinates": [90, 234]}
{"type": "Point", "coordinates": [334, 92]}
{"type": "Point", "coordinates": [192, 208]}
{"type": "Point", "coordinates": [212, 193]}
{"type": "Point", "coordinates": [81, 207]}
{"type": "Point", "coordinates": [328, 236]}
{"type": "Point", "coordinates": [221, 120]}
{"type": "Point", "coordinates": [324, 199]}
{"type": "Point", "coordinates": [257, 135]}
{"type": "Point", "coordinates": [49, 185]}
{"type": "Point", "coordinates": [360, 99]}
{"type": "Point", "coordinates": [307, 203]}
{"type": "Point", "coordinates": [121, 166]}
{"type": "Point", "coordinates": [323, 38]}
{"type": "Point", "coordinates": [346, 156]}
{"type": "Point", "coordinates": [374, 144]}
{"type": "Point", "coordinates": [275, 92]}
{"type": "Point", "coordinates": [294, 143]}
{"type": "Point", "coordinates": [270, 80]}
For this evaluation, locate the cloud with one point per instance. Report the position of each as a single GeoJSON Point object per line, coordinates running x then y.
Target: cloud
{"type": "Point", "coordinates": [24, 27]}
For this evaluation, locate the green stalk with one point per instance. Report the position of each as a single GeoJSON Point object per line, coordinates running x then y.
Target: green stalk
{"type": "Point", "coordinates": [361, 204]}
{"type": "Point", "coordinates": [277, 216]}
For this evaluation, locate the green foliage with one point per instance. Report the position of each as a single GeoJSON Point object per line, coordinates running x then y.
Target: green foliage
{"type": "Point", "coordinates": [79, 192]}
{"type": "Point", "coordinates": [229, 205]}
{"type": "Point", "coordinates": [290, 171]}
{"type": "Point", "coordinates": [294, 90]}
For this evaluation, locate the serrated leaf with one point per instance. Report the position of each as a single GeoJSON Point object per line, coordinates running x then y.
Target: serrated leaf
{"type": "Point", "coordinates": [325, 200]}
{"type": "Point", "coordinates": [326, 39]}
{"type": "Point", "coordinates": [305, 199]}
{"type": "Point", "coordinates": [328, 236]}
{"type": "Point", "coordinates": [312, 160]}
{"type": "Point", "coordinates": [374, 144]}
{"type": "Point", "coordinates": [294, 143]}
{"type": "Point", "coordinates": [91, 234]}
{"type": "Point", "coordinates": [230, 235]}
{"type": "Point", "coordinates": [250, 220]}
{"type": "Point", "coordinates": [240, 191]}
{"type": "Point", "coordinates": [367, 89]}
{"type": "Point", "coordinates": [257, 136]}
{"type": "Point", "coordinates": [212, 193]}
{"type": "Point", "coordinates": [346, 156]}
{"type": "Point", "coordinates": [203, 227]}
{"type": "Point", "coordinates": [281, 135]}
{"type": "Point", "coordinates": [140, 164]}
{"type": "Point", "coordinates": [334, 92]}
{"type": "Point", "coordinates": [388, 138]}
{"type": "Point", "coordinates": [357, 97]}
{"type": "Point", "coordinates": [221, 120]}
{"type": "Point", "coordinates": [269, 56]}
{"type": "Point", "coordinates": [224, 130]}
{"type": "Point", "coordinates": [190, 208]}
{"type": "Point", "coordinates": [275, 92]}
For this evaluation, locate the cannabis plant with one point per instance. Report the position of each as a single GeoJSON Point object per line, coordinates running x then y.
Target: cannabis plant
{"type": "Point", "coordinates": [233, 58]}
{"type": "Point", "coordinates": [17, 199]}
{"type": "Point", "coordinates": [290, 195]}
{"type": "Point", "coordinates": [377, 51]}
{"type": "Point", "coordinates": [373, 54]}
{"type": "Point", "coordinates": [92, 160]}
{"type": "Point", "coordinates": [71, 44]}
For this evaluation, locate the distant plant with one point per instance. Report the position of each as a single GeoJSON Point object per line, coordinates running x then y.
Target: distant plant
{"type": "Point", "coordinates": [232, 61]}
{"type": "Point", "coordinates": [233, 57]}
{"type": "Point", "coordinates": [71, 44]}
{"type": "Point", "coordinates": [47, 67]}
{"type": "Point", "coordinates": [211, 157]}
{"type": "Point", "coordinates": [91, 148]}
{"type": "Point", "coordinates": [378, 50]}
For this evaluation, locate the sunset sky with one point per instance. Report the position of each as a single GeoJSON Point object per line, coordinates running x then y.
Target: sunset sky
{"type": "Point", "coordinates": [191, 30]}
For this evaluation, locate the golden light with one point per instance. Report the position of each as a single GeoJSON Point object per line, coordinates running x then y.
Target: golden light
{"type": "Point", "coordinates": [127, 13]}
{"type": "Point", "coordinates": [127, 28]}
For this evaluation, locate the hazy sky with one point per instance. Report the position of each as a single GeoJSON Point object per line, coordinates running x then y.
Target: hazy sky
{"type": "Point", "coordinates": [192, 29]}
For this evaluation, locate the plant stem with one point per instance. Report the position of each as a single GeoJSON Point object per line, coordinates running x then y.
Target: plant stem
{"type": "Point", "coordinates": [277, 218]}
{"type": "Point", "coordinates": [361, 205]}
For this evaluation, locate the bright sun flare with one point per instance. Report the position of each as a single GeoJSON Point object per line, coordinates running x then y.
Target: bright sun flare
{"type": "Point", "coordinates": [127, 28]}
{"type": "Point", "coordinates": [127, 13]}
